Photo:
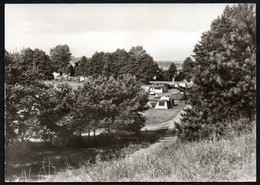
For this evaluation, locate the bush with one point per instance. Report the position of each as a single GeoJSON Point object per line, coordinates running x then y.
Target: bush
{"type": "Point", "coordinates": [194, 126]}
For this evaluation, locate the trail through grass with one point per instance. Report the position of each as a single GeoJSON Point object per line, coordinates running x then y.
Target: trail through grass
{"type": "Point", "coordinates": [232, 159]}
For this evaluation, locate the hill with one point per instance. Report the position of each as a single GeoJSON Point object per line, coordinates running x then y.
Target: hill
{"type": "Point", "coordinates": [74, 60]}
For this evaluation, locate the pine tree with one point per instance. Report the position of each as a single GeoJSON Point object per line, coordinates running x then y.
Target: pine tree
{"type": "Point", "coordinates": [224, 75]}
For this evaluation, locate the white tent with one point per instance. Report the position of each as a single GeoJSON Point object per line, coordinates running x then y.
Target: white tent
{"type": "Point", "coordinates": [162, 104]}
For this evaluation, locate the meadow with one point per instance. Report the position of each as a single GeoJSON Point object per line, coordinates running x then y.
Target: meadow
{"type": "Point", "coordinates": [227, 159]}
{"type": "Point", "coordinates": [156, 116]}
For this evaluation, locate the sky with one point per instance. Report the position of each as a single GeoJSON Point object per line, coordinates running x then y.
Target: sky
{"type": "Point", "coordinates": [168, 32]}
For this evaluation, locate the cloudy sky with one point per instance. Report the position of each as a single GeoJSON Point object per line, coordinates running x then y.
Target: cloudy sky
{"type": "Point", "coordinates": [166, 31]}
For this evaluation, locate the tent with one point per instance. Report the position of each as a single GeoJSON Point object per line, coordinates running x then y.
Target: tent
{"type": "Point", "coordinates": [165, 102]}
{"type": "Point", "coordinates": [162, 104]}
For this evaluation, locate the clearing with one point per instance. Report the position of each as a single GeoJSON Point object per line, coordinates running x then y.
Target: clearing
{"type": "Point", "coordinates": [156, 116]}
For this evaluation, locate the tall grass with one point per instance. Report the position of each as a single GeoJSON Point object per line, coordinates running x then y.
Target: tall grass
{"type": "Point", "coordinates": [232, 159]}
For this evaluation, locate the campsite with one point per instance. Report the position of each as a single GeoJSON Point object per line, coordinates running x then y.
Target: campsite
{"type": "Point", "coordinates": [129, 92]}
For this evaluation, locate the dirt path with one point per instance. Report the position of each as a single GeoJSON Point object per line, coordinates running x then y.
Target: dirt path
{"type": "Point", "coordinates": [165, 140]}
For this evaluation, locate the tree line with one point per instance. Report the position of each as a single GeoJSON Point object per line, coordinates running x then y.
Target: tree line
{"type": "Point", "coordinates": [111, 98]}
{"type": "Point", "coordinates": [111, 102]}
{"type": "Point", "coordinates": [135, 62]}
{"type": "Point", "coordinates": [37, 64]}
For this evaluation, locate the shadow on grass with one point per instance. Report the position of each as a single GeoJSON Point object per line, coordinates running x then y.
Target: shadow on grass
{"type": "Point", "coordinates": [38, 159]}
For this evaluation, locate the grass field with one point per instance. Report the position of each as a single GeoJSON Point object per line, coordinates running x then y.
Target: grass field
{"type": "Point", "coordinates": [232, 159]}
{"type": "Point", "coordinates": [156, 116]}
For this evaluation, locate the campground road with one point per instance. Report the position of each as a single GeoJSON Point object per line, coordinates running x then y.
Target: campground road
{"type": "Point", "coordinates": [165, 140]}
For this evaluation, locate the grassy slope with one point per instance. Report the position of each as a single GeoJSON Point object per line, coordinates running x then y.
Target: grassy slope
{"type": "Point", "coordinates": [225, 160]}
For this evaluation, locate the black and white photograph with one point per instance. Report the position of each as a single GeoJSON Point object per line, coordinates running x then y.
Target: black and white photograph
{"type": "Point", "coordinates": [133, 92]}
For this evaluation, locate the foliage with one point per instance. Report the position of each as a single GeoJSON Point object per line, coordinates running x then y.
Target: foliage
{"type": "Point", "coordinates": [135, 62]}
{"type": "Point", "coordinates": [224, 75]}
{"type": "Point", "coordinates": [27, 66]}
{"type": "Point", "coordinates": [163, 75]}
{"type": "Point", "coordinates": [102, 102]}
{"type": "Point", "coordinates": [42, 65]}
{"type": "Point", "coordinates": [21, 110]}
{"type": "Point", "coordinates": [172, 71]}
{"type": "Point", "coordinates": [180, 76]}
{"type": "Point", "coordinates": [56, 109]}
{"type": "Point", "coordinates": [187, 70]}
{"type": "Point", "coordinates": [109, 100]}
{"type": "Point", "coordinates": [72, 70]}
{"type": "Point", "coordinates": [81, 67]}
{"type": "Point", "coordinates": [23, 92]}
{"type": "Point", "coordinates": [60, 57]}
{"type": "Point", "coordinates": [120, 60]}
{"type": "Point", "coordinates": [142, 66]}
{"type": "Point", "coordinates": [113, 103]}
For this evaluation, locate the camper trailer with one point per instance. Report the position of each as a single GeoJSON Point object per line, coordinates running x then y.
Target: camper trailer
{"type": "Point", "coordinates": [158, 87]}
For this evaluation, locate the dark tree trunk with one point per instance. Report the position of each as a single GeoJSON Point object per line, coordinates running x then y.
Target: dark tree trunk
{"type": "Point", "coordinates": [108, 129]}
{"type": "Point", "coordinates": [80, 139]}
{"type": "Point", "coordinates": [88, 136]}
{"type": "Point", "coordinates": [94, 136]}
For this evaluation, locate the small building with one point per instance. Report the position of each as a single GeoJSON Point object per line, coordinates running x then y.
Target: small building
{"type": "Point", "coordinates": [158, 89]}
